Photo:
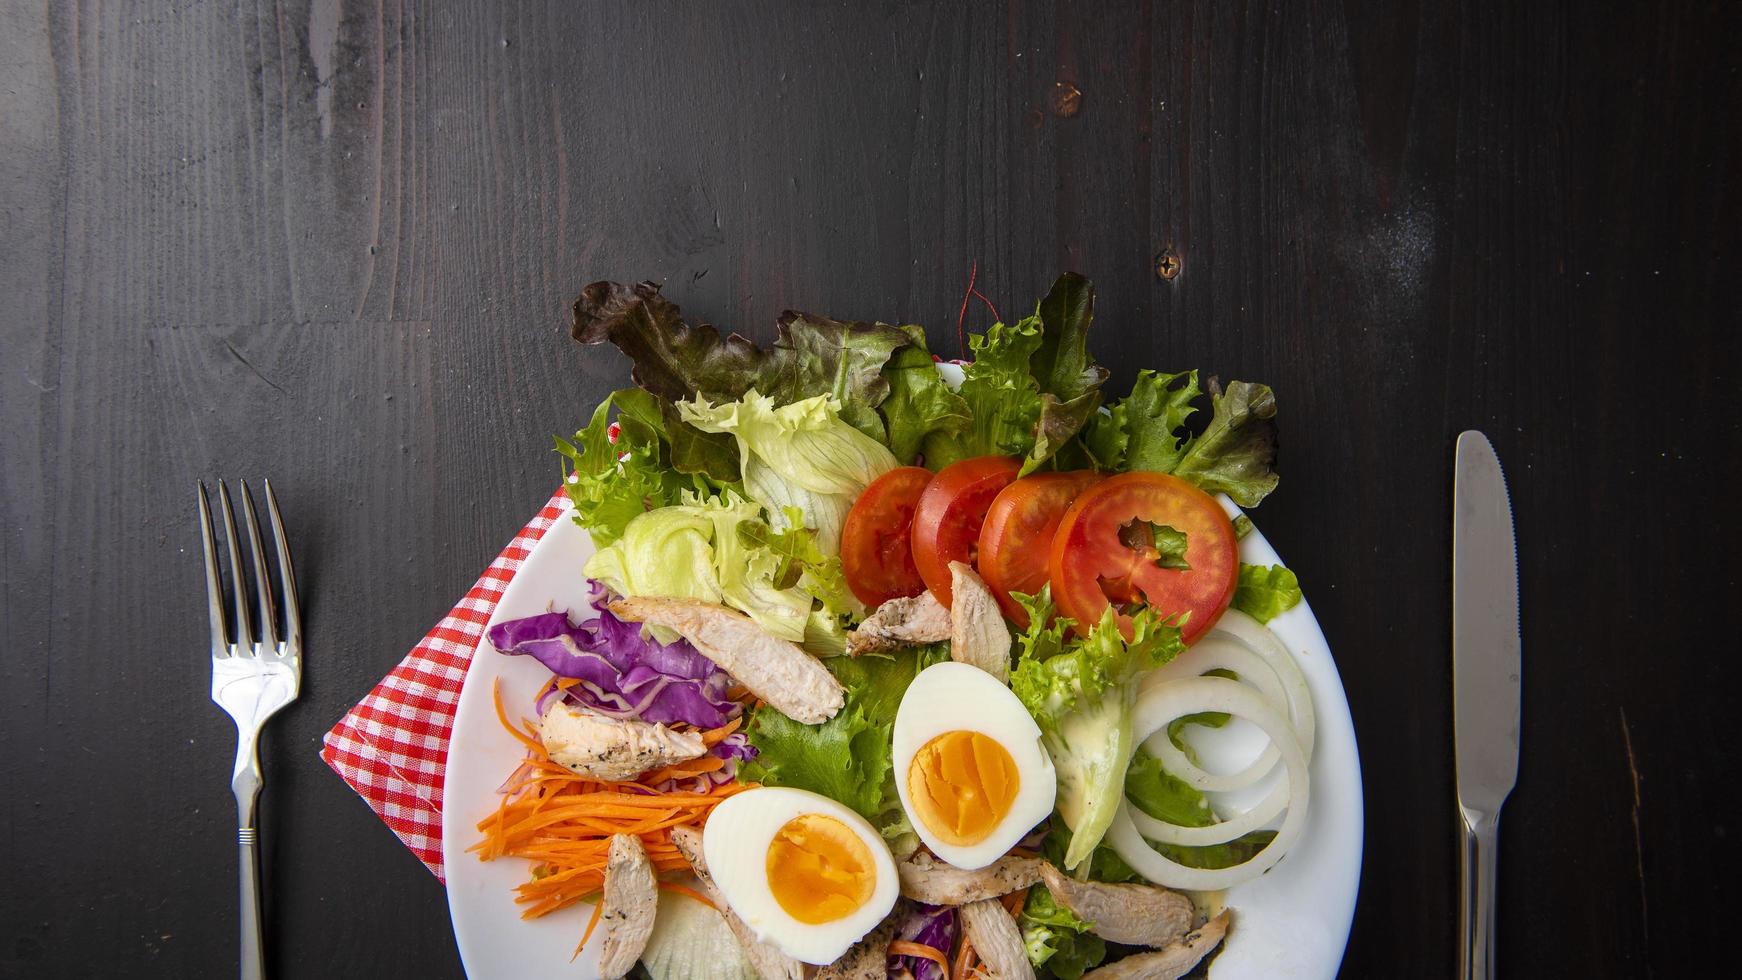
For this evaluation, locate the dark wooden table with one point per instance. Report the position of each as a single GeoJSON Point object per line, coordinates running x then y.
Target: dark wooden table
{"type": "Point", "coordinates": [334, 244]}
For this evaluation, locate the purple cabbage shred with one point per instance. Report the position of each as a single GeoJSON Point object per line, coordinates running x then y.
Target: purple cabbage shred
{"type": "Point", "coordinates": [928, 925]}
{"type": "Point", "coordinates": [622, 673]}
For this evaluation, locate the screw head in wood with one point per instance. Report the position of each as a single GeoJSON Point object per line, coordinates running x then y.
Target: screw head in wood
{"type": "Point", "coordinates": [1167, 265]}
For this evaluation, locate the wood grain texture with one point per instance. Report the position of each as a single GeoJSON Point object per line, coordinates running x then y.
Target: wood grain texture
{"type": "Point", "coordinates": [333, 242]}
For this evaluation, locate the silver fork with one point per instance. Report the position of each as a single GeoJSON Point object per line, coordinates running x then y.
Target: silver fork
{"type": "Point", "coordinates": [252, 677]}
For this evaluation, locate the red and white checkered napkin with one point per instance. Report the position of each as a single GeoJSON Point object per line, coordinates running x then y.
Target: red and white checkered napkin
{"type": "Point", "coordinates": [393, 746]}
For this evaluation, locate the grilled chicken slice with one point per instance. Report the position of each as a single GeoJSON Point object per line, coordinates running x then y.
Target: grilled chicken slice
{"type": "Point", "coordinates": [868, 959]}
{"type": "Point", "coordinates": [996, 938]}
{"type": "Point", "coordinates": [609, 748]}
{"type": "Point", "coordinates": [978, 635]}
{"type": "Point", "coordinates": [1170, 963]}
{"type": "Point", "coordinates": [778, 672]}
{"type": "Point", "coordinates": [1137, 915]}
{"type": "Point", "coordinates": [770, 963]}
{"type": "Point", "coordinates": [627, 910]}
{"type": "Point", "coordinates": [903, 622]}
{"type": "Point", "coordinates": [926, 879]}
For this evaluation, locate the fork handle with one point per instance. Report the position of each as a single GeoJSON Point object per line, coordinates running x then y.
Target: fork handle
{"type": "Point", "coordinates": [245, 782]}
{"type": "Point", "coordinates": [253, 964]}
{"type": "Point", "coordinates": [1478, 873]}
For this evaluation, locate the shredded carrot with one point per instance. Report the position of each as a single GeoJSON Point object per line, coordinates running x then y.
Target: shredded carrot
{"type": "Point", "coordinates": [694, 767]}
{"type": "Point", "coordinates": [672, 886]}
{"type": "Point", "coordinates": [715, 736]}
{"type": "Point", "coordinates": [564, 683]}
{"type": "Point", "coordinates": [965, 958]}
{"type": "Point", "coordinates": [563, 822]}
{"type": "Point", "coordinates": [502, 716]}
{"type": "Point", "coordinates": [592, 923]}
{"type": "Point", "coordinates": [901, 947]}
{"type": "Point", "coordinates": [1013, 901]}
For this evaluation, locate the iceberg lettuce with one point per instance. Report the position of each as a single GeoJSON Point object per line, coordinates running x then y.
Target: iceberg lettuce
{"type": "Point", "coordinates": [801, 455]}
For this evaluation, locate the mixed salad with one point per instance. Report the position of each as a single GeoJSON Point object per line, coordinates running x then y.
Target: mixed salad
{"type": "Point", "coordinates": [891, 663]}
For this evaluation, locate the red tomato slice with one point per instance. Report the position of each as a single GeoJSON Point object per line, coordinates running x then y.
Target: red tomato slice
{"type": "Point", "coordinates": [1016, 540]}
{"type": "Point", "coordinates": [876, 539]}
{"type": "Point", "coordinates": [946, 526]}
{"type": "Point", "coordinates": [1094, 564]}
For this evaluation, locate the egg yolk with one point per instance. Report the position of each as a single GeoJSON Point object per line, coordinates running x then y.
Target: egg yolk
{"type": "Point", "coordinates": [962, 785]}
{"type": "Point", "coordinates": [819, 869]}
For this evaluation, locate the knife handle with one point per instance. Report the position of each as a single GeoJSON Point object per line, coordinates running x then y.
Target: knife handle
{"type": "Point", "coordinates": [1477, 878]}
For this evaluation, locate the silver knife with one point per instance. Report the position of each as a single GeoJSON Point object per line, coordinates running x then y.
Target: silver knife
{"type": "Point", "coordinates": [1485, 674]}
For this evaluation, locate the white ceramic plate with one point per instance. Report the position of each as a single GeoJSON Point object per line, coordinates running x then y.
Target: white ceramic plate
{"type": "Point", "coordinates": [1292, 922]}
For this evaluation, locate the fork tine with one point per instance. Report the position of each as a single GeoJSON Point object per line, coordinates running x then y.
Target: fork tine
{"type": "Point", "coordinates": [286, 575]}
{"type": "Point", "coordinates": [262, 581]}
{"type": "Point", "coordinates": [238, 577]}
{"type": "Point", "coordinates": [214, 585]}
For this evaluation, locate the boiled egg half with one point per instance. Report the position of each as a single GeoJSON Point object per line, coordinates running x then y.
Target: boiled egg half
{"type": "Point", "coordinates": [969, 766]}
{"type": "Point", "coordinates": [805, 873]}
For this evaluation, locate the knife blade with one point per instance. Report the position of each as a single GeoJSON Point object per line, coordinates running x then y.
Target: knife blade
{"type": "Point", "coordinates": [1486, 649]}
{"type": "Point", "coordinates": [1486, 668]}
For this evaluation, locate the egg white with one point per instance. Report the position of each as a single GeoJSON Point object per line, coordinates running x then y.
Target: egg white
{"type": "Point", "coordinates": [953, 697]}
{"type": "Point", "coordinates": [735, 843]}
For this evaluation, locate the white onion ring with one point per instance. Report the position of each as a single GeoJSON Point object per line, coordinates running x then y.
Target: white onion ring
{"type": "Point", "coordinates": [1162, 704]}
{"type": "Point", "coordinates": [1222, 832]}
{"type": "Point", "coordinates": [1217, 653]}
{"type": "Point", "coordinates": [1260, 640]}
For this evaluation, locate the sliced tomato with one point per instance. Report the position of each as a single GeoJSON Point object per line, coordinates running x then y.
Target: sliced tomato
{"type": "Point", "coordinates": [1016, 540]}
{"type": "Point", "coordinates": [1104, 552]}
{"type": "Point", "coordinates": [876, 539]}
{"type": "Point", "coordinates": [946, 526]}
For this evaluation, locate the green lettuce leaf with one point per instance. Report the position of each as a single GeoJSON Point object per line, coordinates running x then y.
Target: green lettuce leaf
{"type": "Point", "coordinates": [1044, 637]}
{"type": "Point", "coordinates": [645, 416]}
{"type": "Point", "coordinates": [1068, 378]}
{"type": "Point", "coordinates": [1057, 425]}
{"type": "Point", "coordinates": [1145, 430]}
{"type": "Point", "coordinates": [1216, 856]}
{"type": "Point", "coordinates": [722, 550]}
{"type": "Point", "coordinates": [1082, 698]}
{"type": "Point", "coordinates": [1058, 943]}
{"type": "Point", "coordinates": [751, 578]}
{"type": "Point", "coordinates": [668, 551]}
{"type": "Point", "coordinates": [811, 355]}
{"type": "Point", "coordinates": [819, 575]}
{"type": "Point", "coordinates": [1032, 385]}
{"type": "Point", "coordinates": [672, 359]}
{"type": "Point", "coordinates": [1062, 364]}
{"type": "Point", "coordinates": [1168, 543]}
{"type": "Point", "coordinates": [612, 483]}
{"type": "Point", "coordinates": [801, 455]}
{"type": "Point", "coordinates": [816, 355]}
{"type": "Point", "coordinates": [608, 493]}
{"type": "Point", "coordinates": [1003, 399]}
{"type": "Point", "coordinates": [1265, 592]}
{"type": "Point", "coordinates": [690, 450]}
{"type": "Point", "coordinates": [1236, 454]}
{"type": "Point", "coordinates": [919, 405]}
{"type": "Point", "coordinates": [849, 757]}
{"type": "Point", "coordinates": [1163, 796]}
